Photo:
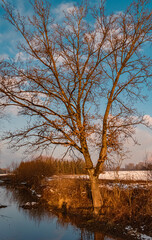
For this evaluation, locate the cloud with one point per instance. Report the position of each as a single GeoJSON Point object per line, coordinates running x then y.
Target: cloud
{"type": "Point", "coordinates": [148, 120]}
{"type": "Point", "coordinates": [61, 8]}
{"type": "Point", "coordinates": [138, 152]}
{"type": "Point", "coordinates": [20, 57]}
{"type": "Point", "coordinates": [9, 157]}
{"type": "Point", "coordinates": [12, 110]}
{"type": "Point", "coordinates": [4, 56]}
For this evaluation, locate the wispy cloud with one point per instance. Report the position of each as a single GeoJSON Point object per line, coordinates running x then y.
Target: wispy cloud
{"type": "Point", "coordinates": [62, 8]}
{"type": "Point", "coordinates": [12, 110]}
{"type": "Point", "coordinates": [20, 57]}
{"type": "Point", "coordinates": [8, 157]}
{"type": "Point", "coordinates": [138, 152]}
{"type": "Point", "coordinates": [4, 56]}
{"type": "Point", "coordinates": [148, 120]}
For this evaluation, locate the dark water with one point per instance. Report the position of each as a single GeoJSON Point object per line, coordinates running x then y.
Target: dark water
{"type": "Point", "coordinates": [17, 223]}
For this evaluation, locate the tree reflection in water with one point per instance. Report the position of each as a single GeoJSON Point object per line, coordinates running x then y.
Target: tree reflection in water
{"type": "Point", "coordinates": [21, 195]}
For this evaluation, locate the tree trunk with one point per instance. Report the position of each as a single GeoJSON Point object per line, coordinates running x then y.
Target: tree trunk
{"type": "Point", "coordinates": [95, 190]}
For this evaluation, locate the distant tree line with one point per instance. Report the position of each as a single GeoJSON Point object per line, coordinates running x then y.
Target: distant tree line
{"type": "Point", "coordinates": [139, 166]}
{"type": "Point", "coordinates": [2, 171]}
{"type": "Point", "coordinates": [38, 168]}
{"type": "Point", "coordinates": [69, 167]}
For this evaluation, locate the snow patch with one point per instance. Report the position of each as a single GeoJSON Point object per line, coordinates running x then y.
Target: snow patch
{"type": "Point", "coordinates": [133, 232]}
{"type": "Point", "coordinates": [126, 175]}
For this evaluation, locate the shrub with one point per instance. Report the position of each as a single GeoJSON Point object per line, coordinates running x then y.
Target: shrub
{"type": "Point", "coordinates": [33, 171]}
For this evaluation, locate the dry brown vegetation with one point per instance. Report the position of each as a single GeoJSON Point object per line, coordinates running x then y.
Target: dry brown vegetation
{"type": "Point", "coordinates": [127, 205]}
{"type": "Point", "coordinates": [68, 194]}
{"type": "Point", "coordinates": [132, 206]}
{"type": "Point", "coordinates": [32, 172]}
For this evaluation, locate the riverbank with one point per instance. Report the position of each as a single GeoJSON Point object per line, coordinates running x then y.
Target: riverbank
{"type": "Point", "coordinates": [127, 205]}
{"type": "Point", "coordinates": [126, 211]}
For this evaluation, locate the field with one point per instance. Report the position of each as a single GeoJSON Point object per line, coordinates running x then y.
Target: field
{"type": "Point", "coordinates": [120, 175]}
{"type": "Point", "coordinates": [127, 175]}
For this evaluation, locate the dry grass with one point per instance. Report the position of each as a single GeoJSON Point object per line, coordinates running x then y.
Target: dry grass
{"type": "Point", "coordinates": [129, 206]}
{"type": "Point", "coordinates": [68, 194]}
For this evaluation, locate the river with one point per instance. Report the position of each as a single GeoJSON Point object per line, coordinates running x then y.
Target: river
{"type": "Point", "coordinates": [17, 223]}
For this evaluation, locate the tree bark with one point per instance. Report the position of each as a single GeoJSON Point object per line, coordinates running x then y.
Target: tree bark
{"type": "Point", "coordinates": [95, 190]}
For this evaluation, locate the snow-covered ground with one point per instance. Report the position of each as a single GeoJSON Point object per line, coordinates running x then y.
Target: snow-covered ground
{"type": "Point", "coordinates": [133, 232]}
{"type": "Point", "coordinates": [112, 175]}
{"type": "Point", "coordinates": [127, 175]}
{"type": "Point", "coordinates": [4, 174]}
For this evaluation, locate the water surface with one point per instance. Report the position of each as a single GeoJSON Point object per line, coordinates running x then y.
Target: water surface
{"type": "Point", "coordinates": [17, 223]}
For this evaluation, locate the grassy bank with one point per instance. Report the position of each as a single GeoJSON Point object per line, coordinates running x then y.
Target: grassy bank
{"type": "Point", "coordinates": [126, 204]}
{"type": "Point", "coordinates": [122, 206]}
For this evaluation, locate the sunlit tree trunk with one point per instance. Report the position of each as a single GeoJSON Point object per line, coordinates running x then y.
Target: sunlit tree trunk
{"type": "Point", "coordinates": [95, 190]}
{"type": "Point", "coordinates": [98, 236]}
{"type": "Point", "coordinates": [93, 177]}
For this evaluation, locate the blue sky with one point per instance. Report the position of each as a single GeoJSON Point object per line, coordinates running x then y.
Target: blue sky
{"type": "Point", "coordinates": [8, 43]}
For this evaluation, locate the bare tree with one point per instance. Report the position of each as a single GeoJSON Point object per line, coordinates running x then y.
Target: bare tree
{"type": "Point", "coordinates": [77, 81]}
